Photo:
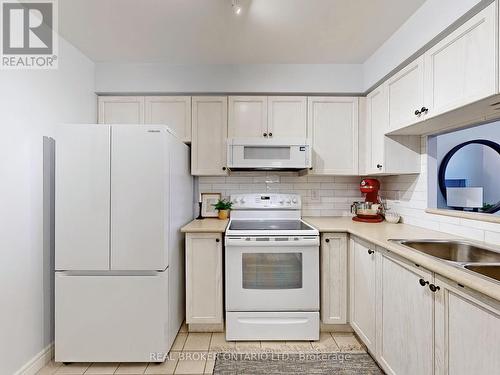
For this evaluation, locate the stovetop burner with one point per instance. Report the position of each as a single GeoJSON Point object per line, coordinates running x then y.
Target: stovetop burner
{"type": "Point", "coordinates": [269, 225]}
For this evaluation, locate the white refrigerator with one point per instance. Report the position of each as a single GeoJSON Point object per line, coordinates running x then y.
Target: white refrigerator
{"type": "Point", "coordinates": [122, 194]}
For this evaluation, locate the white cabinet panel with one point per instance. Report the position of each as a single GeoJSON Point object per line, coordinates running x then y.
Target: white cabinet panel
{"type": "Point", "coordinates": [208, 148]}
{"type": "Point", "coordinates": [139, 189]}
{"type": "Point", "coordinates": [362, 275]}
{"type": "Point", "coordinates": [467, 331]}
{"type": "Point", "coordinates": [110, 318]}
{"type": "Point", "coordinates": [121, 110]}
{"type": "Point", "coordinates": [287, 116]}
{"type": "Point", "coordinates": [173, 111]}
{"type": "Point", "coordinates": [405, 318]}
{"type": "Point", "coordinates": [204, 278]}
{"type": "Point", "coordinates": [461, 68]}
{"type": "Point", "coordinates": [405, 91]}
{"type": "Point", "coordinates": [82, 197]}
{"type": "Point", "coordinates": [333, 130]}
{"type": "Point", "coordinates": [247, 117]}
{"type": "Point", "coordinates": [334, 278]}
{"type": "Point", "coordinates": [377, 118]}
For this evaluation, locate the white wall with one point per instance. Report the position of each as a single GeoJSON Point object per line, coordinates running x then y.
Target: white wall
{"type": "Point", "coordinates": [31, 104]}
{"type": "Point", "coordinates": [222, 78]}
{"type": "Point", "coordinates": [432, 18]}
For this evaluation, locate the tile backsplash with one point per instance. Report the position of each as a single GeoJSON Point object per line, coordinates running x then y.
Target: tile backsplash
{"type": "Point", "coordinates": [321, 195]}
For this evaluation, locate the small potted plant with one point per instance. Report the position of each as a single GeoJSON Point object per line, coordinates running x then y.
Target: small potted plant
{"type": "Point", "coordinates": [223, 206]}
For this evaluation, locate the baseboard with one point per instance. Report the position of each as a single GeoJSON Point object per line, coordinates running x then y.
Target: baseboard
{"type": "Point", "coordinates": [38, 361]}
{"type": "Point", "coordinates": [335, 328]}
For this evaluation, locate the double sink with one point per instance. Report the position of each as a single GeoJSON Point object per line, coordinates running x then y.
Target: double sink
{"type": "Point", "coordinates": [461, 254]}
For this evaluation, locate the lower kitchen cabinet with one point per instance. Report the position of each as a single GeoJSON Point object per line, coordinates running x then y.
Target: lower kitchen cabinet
{"type": "Point", "coordinates": [405, 318]}
{"type": "Point", "coordinates": [362, 279]}
{"type": "Point", "coordinates": [204, 303]}
{"type": "Point", "coordinates": [334, 278]}
{"type": "Point", "coordinates": [467, 331]}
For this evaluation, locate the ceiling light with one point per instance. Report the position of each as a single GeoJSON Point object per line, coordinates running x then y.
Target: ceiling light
{"type": "Point", "coordinates": [237, 9]}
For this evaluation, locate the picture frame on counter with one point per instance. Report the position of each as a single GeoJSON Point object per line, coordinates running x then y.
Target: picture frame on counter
{"type": "Point", "coordinates": [208, 200]}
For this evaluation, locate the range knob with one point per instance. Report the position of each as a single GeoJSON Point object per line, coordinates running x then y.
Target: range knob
{"type": "Point", "coordinates": [282, 201]}
{"type": "Point", "coordinates": [288, 201]}
{"type": "Point", "coordinates": [294, 200]}
{"type": "Point", "coordinates": [242, 200]}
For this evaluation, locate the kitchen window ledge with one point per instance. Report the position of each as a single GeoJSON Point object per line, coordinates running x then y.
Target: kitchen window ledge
{"type": "Point", "coordinates": [465, 215]}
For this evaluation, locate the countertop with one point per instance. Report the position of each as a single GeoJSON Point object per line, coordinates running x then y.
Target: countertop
{"type": "Point", "coordinates": [380, 233]}
{"type": "Point", "coordinates": [207, 225]}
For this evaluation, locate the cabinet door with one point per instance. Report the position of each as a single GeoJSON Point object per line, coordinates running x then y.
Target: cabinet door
{"type": "Point", "coordinates": [173, 111]}
{"type": "Point", "coordinates": [208, 148]}
{"type": "Point", "coordinates": [377, 117]}
{"type": "Point", "coordinates": [467, 331]}
{"type": "Point", "coordinates": [247, 117]}
{"type": "Point", "coordinates": [404, 318]}
{"type": "Point", "coordinates": [334, 278]}
{"type": "Point", "coordinates": [287, 116]}
{"type": "Point", "coordinates": [405, 92]}
{"type": "Point", "coordinates": [204, 278]}
{"type": "Point", "coordinates": [82, 170]}
{"type": "Point", "coordinates": [121, 110]}
{"type": "Point", "coordinates": [461, 68]}
{"type": "Point", "coordinates": [362, 274]}
{"type": "Point", "coordinates": [333, 130]}
{"type": "Point", "coordinates": [139, 191]}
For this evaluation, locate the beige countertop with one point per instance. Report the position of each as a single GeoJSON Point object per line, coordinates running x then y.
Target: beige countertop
{"type": "Point", "coordinates": [380, 233]}
{"type": "Point", "coordinates": [207, 225]}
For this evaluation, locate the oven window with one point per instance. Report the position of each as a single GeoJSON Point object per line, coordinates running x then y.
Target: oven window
{"type": "Point", "coordinates": [266, 153]}
{"type": "Point", "coordinates": [272, 270]}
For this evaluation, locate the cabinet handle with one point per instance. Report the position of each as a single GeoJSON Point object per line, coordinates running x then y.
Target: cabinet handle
{"type": "Point", "coordinates": [370, 251]}
{"type": "Point", "coordinates": [434, 288]}
{"type": "Point", "coordinates": [270, 134]}
{"type": "Point", "coordinates": [311, 168]}
{"type": "Point", "coordinates": [217, 240]}
{"type": "Point", "coordinates": [223, 168]}
{"type": "Point", "coordinates": [379, 166]}
{"type": "Point", "coordinates": [423, 282]}
{"type": "Point", "coordinates": [424, 110]}
{"type": "Point", "coordinates": [327, 240]}
{"type": "Point", "coordinates": [265, 134]}
{"type": "Point", "coordinates": [418, 113]}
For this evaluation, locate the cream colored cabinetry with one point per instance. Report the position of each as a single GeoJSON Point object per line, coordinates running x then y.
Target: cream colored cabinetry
{"type": "Point", "coordinates": [467, 331]}
{"type": "Point", "coordinates": [204, 304]}
{"type": "Point", "coordinates": [462, 68]}
{"type": "Point", "coordinates": [333, 130]}
{"type": "Point", "coordinates": [405, 95]}
{"type": "Point", "coordinates": [334, 278]}
{"type": "Point", "coordinates": [121, 110]}
{"type": "Point", "coordinates": [405, 318]}
{"type": "Point", "coordinates": [267, 117]}
{"type": "Point", "coordinates": [386, 154]}
{"type": "Point", "coordinates": [173, 111]}
{"type": "Point", "coordinates": [362, 290]}
{"type": "Point", "coordinates": [209, 133]}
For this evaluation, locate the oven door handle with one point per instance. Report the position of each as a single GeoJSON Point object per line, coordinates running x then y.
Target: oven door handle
{"type": "Point", "coordinates": [272, 241]}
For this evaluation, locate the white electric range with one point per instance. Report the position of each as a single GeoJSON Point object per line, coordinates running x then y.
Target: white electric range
{"type": "Point", "coordinates": [272, 270]}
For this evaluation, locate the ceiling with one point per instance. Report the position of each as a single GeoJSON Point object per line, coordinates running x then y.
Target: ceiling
{"type": "Point", "coordinates": [208, 32]}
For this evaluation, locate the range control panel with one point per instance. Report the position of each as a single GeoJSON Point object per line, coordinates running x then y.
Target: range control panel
{"type": "Point", "coordinates": [266, 201]}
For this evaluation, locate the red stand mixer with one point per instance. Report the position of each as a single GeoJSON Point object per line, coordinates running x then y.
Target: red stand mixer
{"type": "Point", "coordinates": [369, 210]}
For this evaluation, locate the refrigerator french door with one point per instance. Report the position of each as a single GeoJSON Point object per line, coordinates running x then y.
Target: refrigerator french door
{"type": "Point", "coordinates": [118, 247]}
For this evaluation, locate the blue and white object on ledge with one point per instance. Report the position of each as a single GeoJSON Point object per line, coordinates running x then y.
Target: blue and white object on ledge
{"type": "Point", "coordinates": [470, 197]}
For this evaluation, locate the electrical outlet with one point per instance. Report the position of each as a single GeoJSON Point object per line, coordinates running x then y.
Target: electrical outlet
{"type": "Point", "coordinates": [315, 195]}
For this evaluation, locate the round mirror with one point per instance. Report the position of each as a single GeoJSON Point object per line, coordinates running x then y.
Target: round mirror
{"type": "Point", "coordinates": [469, 176]}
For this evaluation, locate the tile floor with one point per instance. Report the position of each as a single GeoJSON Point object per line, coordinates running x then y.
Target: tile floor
{"type": "Point", "coordinates": [194, 354]}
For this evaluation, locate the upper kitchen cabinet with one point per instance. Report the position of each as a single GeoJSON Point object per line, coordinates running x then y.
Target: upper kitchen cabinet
{"type": "Point", "coordinates": [247, 117]}
{"type": "Point", "coordinates": [121, 109]}
{"type": "Point", "coordinates": [173, 111]}
{"type": "Point", "coordinates": [461, 68]}
{"type": "Point", "coordinates": [386, 154]}
{"type": "Point", "coordinates": [333, 130]}
{"type": "Point", "coordinates": [208, 148]}
{"type": "Point", "coordinates": [267, 117]}
{"type": "Point", "coordinates": [286, 116]}
{"type": "Point", "coordinates": [405, 93]}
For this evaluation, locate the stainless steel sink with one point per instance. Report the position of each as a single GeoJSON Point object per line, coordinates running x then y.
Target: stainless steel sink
{"type": "Point", "coordinates": [453, 251]}
{"type": "Point", "coordinates": [489, 270]}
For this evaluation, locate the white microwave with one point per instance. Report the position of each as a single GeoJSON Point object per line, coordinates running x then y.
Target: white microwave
{"type": "Point", "coordinates": [281, 154]}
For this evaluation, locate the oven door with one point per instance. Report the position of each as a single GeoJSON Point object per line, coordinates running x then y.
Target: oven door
{"type": "Point", "coordinates": [272, 273]}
